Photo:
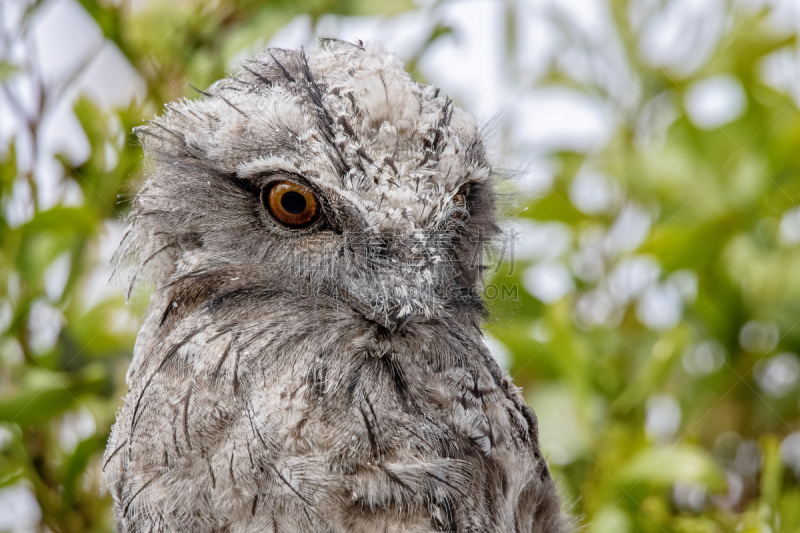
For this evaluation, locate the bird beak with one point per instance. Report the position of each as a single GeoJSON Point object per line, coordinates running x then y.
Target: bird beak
{"type": "Point", "coordinates": [391, 281]}
{"type": "Point", "coordinates": [392, 314]}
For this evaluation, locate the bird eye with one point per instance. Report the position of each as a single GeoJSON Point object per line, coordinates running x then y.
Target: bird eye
{"type": "Point", "coordinates": [292, 204]}
{"type": "Point", "coordinates": [460, 201]}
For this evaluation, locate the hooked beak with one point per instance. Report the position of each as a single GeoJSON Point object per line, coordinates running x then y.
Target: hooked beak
{"type": "Point", "coordinates": [391, 315]}
{"type": "Point", "coordinates": [392, 281]}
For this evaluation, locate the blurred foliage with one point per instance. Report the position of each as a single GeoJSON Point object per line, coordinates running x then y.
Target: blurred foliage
{"type": "Point", "coordinates": [602, 377]}
{"type": "Point", "coordinates": [597, 374]}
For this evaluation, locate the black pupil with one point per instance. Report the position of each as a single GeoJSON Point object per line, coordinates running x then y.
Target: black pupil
{"type": "Point", "coordinates": [293, 202]}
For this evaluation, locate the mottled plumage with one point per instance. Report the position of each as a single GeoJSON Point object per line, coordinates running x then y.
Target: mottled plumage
{"type": "Point", "coordinates": [331, 378]}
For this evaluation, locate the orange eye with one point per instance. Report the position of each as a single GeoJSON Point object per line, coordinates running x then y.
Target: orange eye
{"type": "Point", "coordinates": [291, 204]}
{"type": "Point", "coordinates": [460, 201]}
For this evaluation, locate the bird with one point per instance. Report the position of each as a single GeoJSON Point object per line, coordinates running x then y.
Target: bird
{"type": "Point", "coordinates": [310, 230]}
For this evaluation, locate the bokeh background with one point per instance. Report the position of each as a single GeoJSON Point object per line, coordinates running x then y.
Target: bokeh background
{"type": "Point", "coordinates": [650, 151]}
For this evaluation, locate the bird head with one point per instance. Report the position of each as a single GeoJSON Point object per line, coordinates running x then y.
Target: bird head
{"type": "Point", "coordinates": [331, 175]}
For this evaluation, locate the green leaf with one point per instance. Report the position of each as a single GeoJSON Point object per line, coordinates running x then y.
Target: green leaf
{"type": "Point", "coordinates": [12, 454]}
{"type": "Point", "coordinates": [664, 465]}
{"type": "Point", "coordinates": [63, 219]}
{"type": "Point", "coordinates": [76, 464]}
{"type": "Point", "coordinates": [610, 519]}
{"type": "Point", "coordinates": [368, 7]}
{"type": "Point", "coordinates": [49, 395]}
{"type": "Point", "coordinates": [7, 70]}
{"type": "Point", "coordinates": [771, 476]}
